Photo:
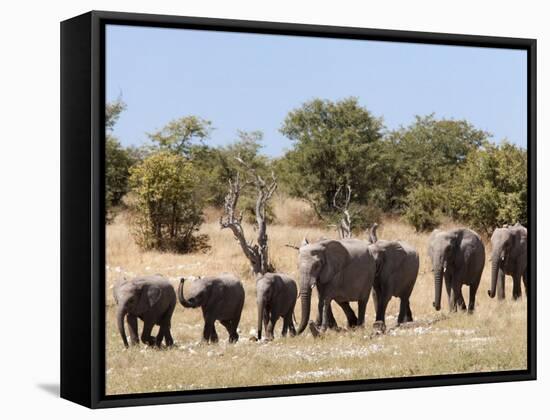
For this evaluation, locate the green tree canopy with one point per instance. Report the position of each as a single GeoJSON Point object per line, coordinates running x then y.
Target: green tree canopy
{"type": "Point", "coordinates": [332, 143]}
{"type": "Point", "coordinates": [179, 134]}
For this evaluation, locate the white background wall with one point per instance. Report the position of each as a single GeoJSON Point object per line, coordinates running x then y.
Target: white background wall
{"type": "Point", "coordinates": [29, 233]}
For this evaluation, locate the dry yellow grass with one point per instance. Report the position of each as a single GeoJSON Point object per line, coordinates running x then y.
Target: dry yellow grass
{"type": "Point", "coordinates": [493, 338]}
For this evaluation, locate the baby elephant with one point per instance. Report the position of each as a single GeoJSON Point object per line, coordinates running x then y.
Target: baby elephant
{"type": "Point", "coordinates": [396, 270]}
{"type": "Point", "coordinates": [151, 299]}
{"type": "Point", "coordinates": [276, 296]}
{"type": "Point", "coordinates": [221, 299]}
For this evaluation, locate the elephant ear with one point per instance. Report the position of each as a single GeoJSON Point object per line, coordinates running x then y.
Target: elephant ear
{"type": "Point", "coordinates": [153, 295]}
{"type": "Point", "coordinates": [336, 258]}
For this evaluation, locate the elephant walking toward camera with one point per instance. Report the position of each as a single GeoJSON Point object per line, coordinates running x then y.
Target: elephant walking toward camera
{"type": "Point", "coordinates": [508, 257]}
{"type": "Point", "coordinates": [276, 297]}
{"type": "Point", "coordinates": [221, 298]}
{"type": "Point", "coordinates": [151, 299]}
{"type": "Point", "coordinates": [342, 270]}
{"type": "Point", "coordinates": [458, 256]}
{"type": "Point", "coordinates": [397, 266]}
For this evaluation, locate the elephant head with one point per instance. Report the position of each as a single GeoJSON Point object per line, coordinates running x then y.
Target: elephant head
{"type": "Point", "coordinates": [507, 246]}
{"type": "Point", "coordinates": [443, 250]}
{"type": "Point", "coordinates": [198, 295]}
{"type": "Point", "coordinates": [319, 263]}
{"type": "Point", "coordinates": [134, 297]}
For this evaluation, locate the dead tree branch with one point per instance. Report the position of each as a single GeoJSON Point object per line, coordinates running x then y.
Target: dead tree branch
{"type": "Point", "coordinates": [257, 253]}
{"type": "Point", "coordinates": [373, 237]}
{"type": "Point", "coordinates": [344, 227]}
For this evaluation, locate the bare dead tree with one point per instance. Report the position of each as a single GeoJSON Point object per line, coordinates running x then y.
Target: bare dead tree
{"type": "Point", "coordinates": [373, 237]}
{"type": "Point", "coordinates": [257, 253]}
{"type": "Point", "coordinates": [344, 227]}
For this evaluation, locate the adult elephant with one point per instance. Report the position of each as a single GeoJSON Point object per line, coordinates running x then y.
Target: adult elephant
{"type": "Point", "coordinates": [508, 257]}
{"type": "Point", "coordinates": [397, 266]}
{"type": "Point", "coordinates": [342, 270]}
{"type": "Point", "coordinates": [151, 299]}
{"type": "Point", "coordinates": [331, 321]}
{"type": "Point", "coordinates": [458, 255]}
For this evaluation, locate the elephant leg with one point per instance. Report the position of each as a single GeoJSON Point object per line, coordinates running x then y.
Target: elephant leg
{"type": "Point", "coordinates": [516, 291]}
{"type": "Point", "coordinates": [160, 335]}
{"type": "Point", "coordinates": [285, 327]}
{"type": "Point", "coordinates": [361, 309]}
{"type": "Point", "coordinates": [168, 337]}
{"type": "Point", "coordinates": [290, 324]}
{"type": "Point", "coordinates": [350, 315]}
{"type": "Point", "coordinates": [501, 285]}
{"type": "Point", "coordinates": [332, 324]}
{"type": "Point", "coordinates": [524, 276]}
{"type": "Point", "coordinates": [324, 318]}
{"type": "Point", "coordinates": [228, 324]}
{"type": "Point", "coordinates": [409, 312]}
{"type": "Point", "coordinates": [383, 300]}
{"type": "Point", "coordinates": [460, 298]}
{"type": "Point", "coordinates": [269, 331]}
{"type": "Point", "coordinates": [133, 327]}
{"type": "Point", "coordinates": [404, 310]}
{"type": "Point", "coordinates": [450, 292]}
{"type": "Point", "coordinates": [472, 297]}
{"type": "Point", "coordinates": [146, 337]}
{"type": "Point", "coordinates": [213, 334]}
{"type": "Point", "coordinates": [209, 332]}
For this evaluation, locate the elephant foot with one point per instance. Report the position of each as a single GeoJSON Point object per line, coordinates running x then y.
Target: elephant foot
{"type": "Point", "coordinates": [314, 331]}
{"type": "Point", "coordinates": [379, 327]}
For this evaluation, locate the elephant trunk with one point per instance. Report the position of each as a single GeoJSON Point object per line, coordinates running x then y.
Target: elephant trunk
{"type": "Point", "coordinates": [305, 296]}
{"type": "Point", "coordinates": [495, 266]}
{"type": "Point", "coordinates": [438, 274]}
{"type": "Point", "coordinates": [121, 314]}
{"type": "Point", "coordinates": [185, 303]}
{"type": "Point", "coordinates": [261, 306]}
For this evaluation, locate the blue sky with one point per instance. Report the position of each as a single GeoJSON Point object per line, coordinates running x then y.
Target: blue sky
{"type": "Point", "coordinates": [250, 82]}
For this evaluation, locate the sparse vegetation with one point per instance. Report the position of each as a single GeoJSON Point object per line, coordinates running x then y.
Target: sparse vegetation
{"type": "Point", "coordinates": [493, 338]}
{"type": "Point", "coordinates": [172, 197]}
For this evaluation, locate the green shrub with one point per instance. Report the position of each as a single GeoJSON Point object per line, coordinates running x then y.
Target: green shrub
{"type": "Point", "coordinates": [167, 210]}
{"type": "Point", "coordinates": [491, 188]}
{"type": "Point", "coordinates": [423, 207]}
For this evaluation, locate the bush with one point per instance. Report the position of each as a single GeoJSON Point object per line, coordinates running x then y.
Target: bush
{"type": "Point", "coordinates": [167, 210]}
{"type": "Point", "coordinates": [117, 166]}
{"type": "Point", "coordinates": [423, 207]}
{"type": "Point", "coordinates": [491, 188]}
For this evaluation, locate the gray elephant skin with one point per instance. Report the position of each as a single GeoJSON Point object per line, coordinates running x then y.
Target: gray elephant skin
{"type": "Point", "coordinates": [341, 270]}
{"type": "Point", "coordinates": [221, 298]}
{"type": "Point", "coordinates": [397, 266]}
{"type": "Point", "coordinates": [151, 299]}
{"type": "Point", "coordinates": [508, 257]}
{"type": "Point", "coordinates": [276, 297]}
{"type": "Point", "coordinates": [458, 256]}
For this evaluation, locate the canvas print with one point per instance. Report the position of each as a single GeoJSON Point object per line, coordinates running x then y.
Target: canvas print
{"type": "Point", "coordinates": [290, 209]}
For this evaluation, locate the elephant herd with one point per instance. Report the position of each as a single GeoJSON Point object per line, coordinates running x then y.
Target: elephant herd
{"type": "Point", "coordinates": [343, 271]}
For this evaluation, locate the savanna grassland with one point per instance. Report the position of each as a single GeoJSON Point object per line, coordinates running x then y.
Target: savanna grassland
{"type": "Point", "coordinates": [494, 338]}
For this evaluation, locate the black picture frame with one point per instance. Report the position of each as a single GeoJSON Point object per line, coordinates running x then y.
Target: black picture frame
{"type": "Point", "coordinates": [83, 209]}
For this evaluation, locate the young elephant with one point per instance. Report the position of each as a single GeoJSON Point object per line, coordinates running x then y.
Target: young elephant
{"type": "Point", "coordinates": [221, 299]}
{"type": "Point", "coordinates": [276, 296]}
{"type": "Point", "coordinates": [509, 256]}
{"type": "Point", "coordinates": [151, 299]}
{"type": "Point", "coordinates": [458, 255]}
{"type": "Point", "coordinates": [396, 270]}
